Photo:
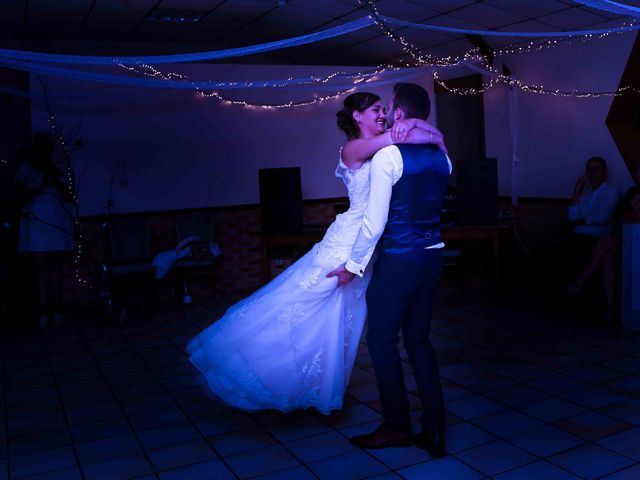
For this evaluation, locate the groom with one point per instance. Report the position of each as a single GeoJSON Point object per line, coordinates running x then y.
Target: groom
{"type": "Point", "coordinates": [408, 184]}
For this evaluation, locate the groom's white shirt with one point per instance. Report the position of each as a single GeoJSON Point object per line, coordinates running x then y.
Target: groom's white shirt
{"type": "Point", "coordinates": [385, 171]}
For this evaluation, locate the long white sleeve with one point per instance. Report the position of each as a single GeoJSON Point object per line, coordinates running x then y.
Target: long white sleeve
{"type": "Point", "coordinates": [386, 169]}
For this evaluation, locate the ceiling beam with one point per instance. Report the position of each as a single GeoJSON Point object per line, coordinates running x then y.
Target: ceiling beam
{"type": "Point", "coordinates": [86, 16]}
{"type": "Point", "coordinates": [250, 22]}
{"type": "Point", "coordinates": [143, 19]}
{"type": "Point", "coordinates": [202, 17]}
{"type": "Point", "coordinates": [25, 17]}
{"type": "Point", "coordinates": [482, 46]}
{"type": "Point", "coordinates": [487, 52]}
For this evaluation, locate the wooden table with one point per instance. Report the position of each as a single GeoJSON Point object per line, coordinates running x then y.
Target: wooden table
{"type": "Point", "coordinates": [312, 235]}
{"type": "Point", "coordinates": [491, 233]}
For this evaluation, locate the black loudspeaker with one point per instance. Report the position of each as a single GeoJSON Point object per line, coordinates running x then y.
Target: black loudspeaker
{"type": "Point", "coordinates": [477, 192]}
{"type": "Point", "coordinates": [280, 199]}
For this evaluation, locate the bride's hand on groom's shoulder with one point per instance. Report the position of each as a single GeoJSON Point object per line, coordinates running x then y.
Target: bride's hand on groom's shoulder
{"type": "Point", "coordinates": [399, 131]}
{"type": "Point", "coordinates": [344, 275]}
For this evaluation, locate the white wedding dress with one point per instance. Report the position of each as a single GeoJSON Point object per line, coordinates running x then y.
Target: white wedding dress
{"type": "Point", "coordinates": [292, 343]}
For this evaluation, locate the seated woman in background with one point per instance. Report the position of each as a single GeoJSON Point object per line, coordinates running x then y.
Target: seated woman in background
{"type": "Point", "coordinates": [605, 252]}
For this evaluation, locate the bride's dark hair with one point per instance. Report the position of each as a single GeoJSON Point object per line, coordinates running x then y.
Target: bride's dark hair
{"type": "Point", "coordinates": [356, 101]}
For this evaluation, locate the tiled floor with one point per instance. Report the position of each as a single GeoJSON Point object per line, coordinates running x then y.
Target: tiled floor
{"type": "Point", "coordinates": [527, 399]}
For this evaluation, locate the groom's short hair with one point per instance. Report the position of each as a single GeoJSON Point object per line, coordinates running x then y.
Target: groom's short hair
{"type": "Point", "coordinates": [412, 99]}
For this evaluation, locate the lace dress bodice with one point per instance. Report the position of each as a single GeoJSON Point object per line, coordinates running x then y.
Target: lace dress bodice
{"type": "Point", "coordinates": [357, 183]}
{"type": "Point", "coordinates": [341, 235]}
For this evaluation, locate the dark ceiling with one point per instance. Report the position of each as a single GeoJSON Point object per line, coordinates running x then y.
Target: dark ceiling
{"type": "Point", "coordinates": [132, 27]}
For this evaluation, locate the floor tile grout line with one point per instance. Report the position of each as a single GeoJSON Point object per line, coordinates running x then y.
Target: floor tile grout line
{"type": "Point", "coordinates": [548, 395]}
{"type": "Point", "coordinates": [123, 412]}
{"type": "Point", "coordinates": [474, 393]}
{"type": "Point", "coordinates": [550, 424]}
{"type": "Point", "coordinates": [64, 413]}
{"type": "Point", "coordinates": [168, 392]}
{"type": "Point", "coordinates": [149, 428]}
{"type": "Point", "coordinates": [509, 407]}
{"type": "Point", "coordinates": [499, 473]}
{"type": "Point", "coordinates": [546, 424]}
{"type": "Point", "coordinates": [396, 470]}
{"type": "Point", "coordinates": [554, 396]}
{"type": "Point", "coordinates": [282, 444]}
{"type": "Point", "coordinates": [258, 423]}
{"type": "Point", "coordinates": [47, 473]}
{"type": "Point", "coordinates": [538, 458]}
{"type": "Point", "coordinates": [637, 463]}
{"type": "Point", "coordinates": [500, 438]}
{"type": "Point", "coordinates": [522, 382]}
{"type": "Point", "coordinates": [470, 420]}
{"type": "Point", "coordinates": [556, 352]}
{"type": "Point", "coordinates": [344, 454]}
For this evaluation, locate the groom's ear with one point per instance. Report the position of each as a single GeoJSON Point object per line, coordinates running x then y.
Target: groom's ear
{"type": "Point", "coordinates": [398, 114]}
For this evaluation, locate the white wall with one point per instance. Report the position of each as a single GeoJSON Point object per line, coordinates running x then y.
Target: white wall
{"type": "Point", "coordinates": [178, 150]}
{"type": "Point", "coordinates": [558, 134]}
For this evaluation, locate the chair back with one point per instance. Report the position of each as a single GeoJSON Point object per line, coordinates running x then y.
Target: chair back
{"type": "Point", "coordinates": [130, 239]}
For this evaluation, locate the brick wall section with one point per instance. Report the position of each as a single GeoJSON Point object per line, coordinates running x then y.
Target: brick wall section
{"type": "Point", "coordinates": [540, 223]}
{"type": "Point", "coordinates": [320, 213]}
{"type": "Point", "coordinates": [239, 267]}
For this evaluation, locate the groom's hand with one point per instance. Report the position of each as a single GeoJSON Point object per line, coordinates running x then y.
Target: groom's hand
{"type": "Point", "coordinates": [344, 275]}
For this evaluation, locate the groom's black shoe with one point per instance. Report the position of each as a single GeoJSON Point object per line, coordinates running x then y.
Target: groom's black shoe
{"type": "Point", "coordinates": [433, 443]}
{"type": "Point", "coordinates": [382, 437]}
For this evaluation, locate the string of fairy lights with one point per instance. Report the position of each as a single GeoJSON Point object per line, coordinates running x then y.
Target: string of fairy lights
{"type": "Point", "coordinates": [151, 71]}
{"type": "Point", "coordinates": [71, 186]}
{"type": "Point", "coordinates": [143, 66]}
{"type": "Point", "coordinates": [496, 76]}
{"type": "Point", "coordinates": [412, 50]}
{"type": "Point", "coordinates": [418, 59]}
{"type": "Point", "coordinates": [355, 77]}
{"type": "Point", "coordinates": [276, 106]}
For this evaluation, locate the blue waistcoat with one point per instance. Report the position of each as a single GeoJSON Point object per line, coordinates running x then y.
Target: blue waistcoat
{"type": "Point", "coordinates": [416, 200]}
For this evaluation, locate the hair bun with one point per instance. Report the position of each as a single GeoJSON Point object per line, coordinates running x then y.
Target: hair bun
{"type": "Point", "coordinates": [343, 119]}
{"type": "Point", "coordinates": [355, 102]}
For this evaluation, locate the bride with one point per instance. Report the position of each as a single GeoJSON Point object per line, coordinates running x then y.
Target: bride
{"type": "Point", "coordinates": [292, 344]}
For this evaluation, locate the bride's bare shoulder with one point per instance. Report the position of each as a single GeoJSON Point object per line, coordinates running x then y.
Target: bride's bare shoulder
{"type": "Point", "coordinates": [352, 165]}
{"type": "Point", "coordinates": [346, 156]}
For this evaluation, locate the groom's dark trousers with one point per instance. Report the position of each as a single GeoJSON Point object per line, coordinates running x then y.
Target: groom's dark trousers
{"type": "Point", "coordinates": [400, 297]}
{"type": "Point", "coordinates": [404, 282]}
